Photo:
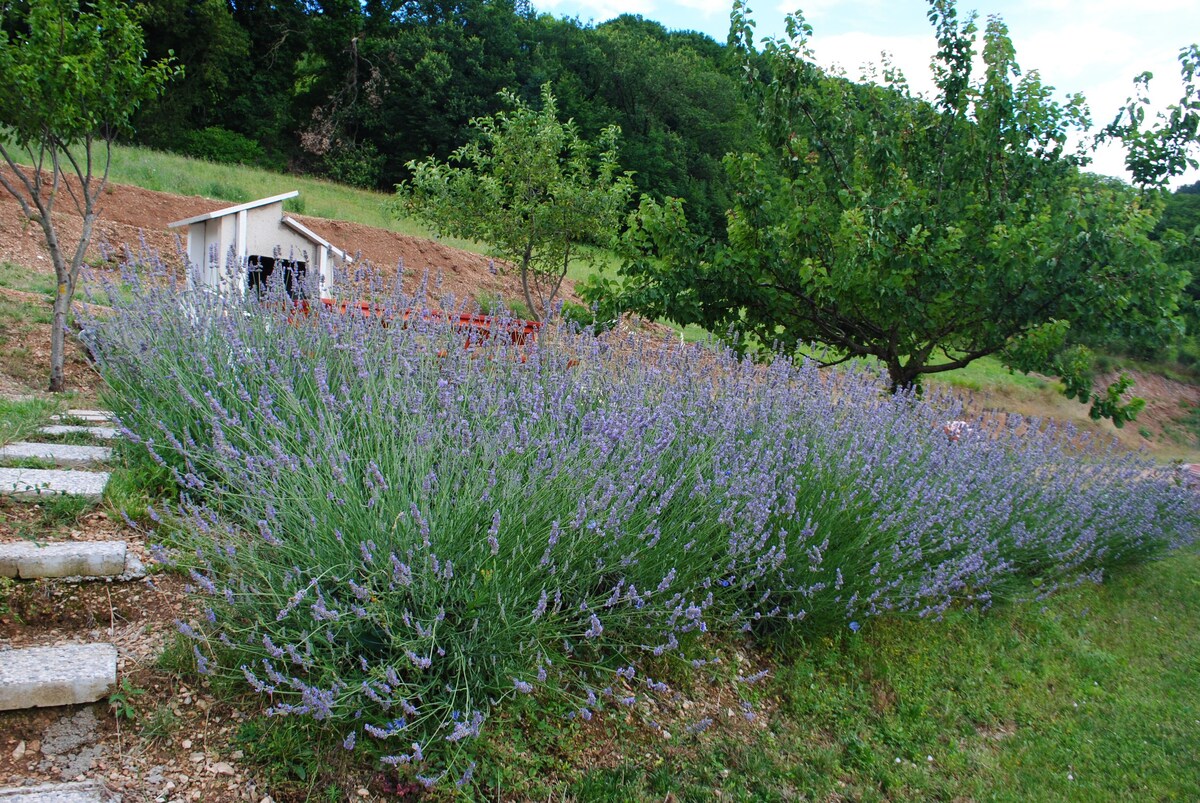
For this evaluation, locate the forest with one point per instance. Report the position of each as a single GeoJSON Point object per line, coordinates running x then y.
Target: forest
{"type": "Point", "coordinates": [353, 91]}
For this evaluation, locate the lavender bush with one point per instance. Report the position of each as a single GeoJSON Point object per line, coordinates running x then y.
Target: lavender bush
{"type": "Point", "coordinates": [392, 534]}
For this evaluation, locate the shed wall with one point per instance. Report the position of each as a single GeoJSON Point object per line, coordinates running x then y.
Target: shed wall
{"type": "Point", "coordinates": [212, 242]}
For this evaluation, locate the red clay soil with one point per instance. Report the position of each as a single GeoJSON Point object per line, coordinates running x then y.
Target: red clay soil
{"type": "Point", "coordinates": [134, 217]}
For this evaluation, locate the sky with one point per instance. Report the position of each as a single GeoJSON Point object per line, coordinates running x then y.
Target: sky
{"type": "Point", "coordinates": [1091, 46]}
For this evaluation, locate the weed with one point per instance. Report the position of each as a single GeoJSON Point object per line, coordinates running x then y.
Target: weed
{"type": "Point", "coordinates": [177, 657]}
{"type": "Point", "coordinates": [1189, 423]}
{"type": "Point", "coordinates": [225, 192]}
{"type": "Point", "coordinates": [136, 481]}
{"type": "Point", "coordinates": [7, 592]}
{"type": "Point", "coordinates": [70, 439]}
{"type": "Point", "coordinates": [35, 463]}
{"type": "Point", "coordinates": [121, 700]}
{"type": "Point", "coordinates": [287, 754]}
{"type": "Point", "coordinates": [296, 205]}
{"type": "Point", "coordinates": [63, 509]}
{"type": "Point", "coordinates": [160, 724]}
{"type": "Point", "coordinates": [496, 304]}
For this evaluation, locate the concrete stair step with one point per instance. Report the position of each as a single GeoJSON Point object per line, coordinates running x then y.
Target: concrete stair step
{"type": "Point", "coordinates": [84, 560]}
{"type": "Point", "coordinates": [103, 433]}
{"type": "Point", "coordinates": [81, 792]}
{"type": "Point", "coordinates": [69, 674]}
{"type": "Point", "coordinates": [95, 416]}
{"type": "Point", "coordinates": [62, 454]}
{"type": "Point", "coordinates": [33, 482]}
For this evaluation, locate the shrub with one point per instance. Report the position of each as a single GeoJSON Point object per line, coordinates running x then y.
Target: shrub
{"type": "Point", "coordinates": [357, 164]}
{"type": "Point", "coordinates": [593, 319]}
{"type": "Point", "coordinates": [391, 534]}
{"type": "Point", "coordinates": [223, 146]}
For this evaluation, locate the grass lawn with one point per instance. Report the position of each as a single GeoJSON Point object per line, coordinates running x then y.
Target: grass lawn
{"type": "Point", "coordinates": [1096, 696]}
{"type": "Point", "coordinates": [183, 175]}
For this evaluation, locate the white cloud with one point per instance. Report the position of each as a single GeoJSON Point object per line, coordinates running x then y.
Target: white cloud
{"type": "Point", "coordinates": [851, 51]}
{"type": "Point", "coordinates": [711, 9]}
{"type": "Point", "coordinates": [599, 10]}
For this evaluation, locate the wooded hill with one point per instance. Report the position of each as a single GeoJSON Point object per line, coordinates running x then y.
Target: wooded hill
{"type": "Point", "coordinates": [355, 90]}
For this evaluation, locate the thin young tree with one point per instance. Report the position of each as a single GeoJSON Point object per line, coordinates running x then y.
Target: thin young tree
{"type": "Point", "coordinates": [71, 76]}
{"type": "Point", "coordinates": [530, 187]}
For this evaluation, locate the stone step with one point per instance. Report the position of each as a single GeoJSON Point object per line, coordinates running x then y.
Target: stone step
{"type": "Point", "coordinates": [80, 792]}
{"type": "Point", "coordinates": [27, 482]}
{"type": "Point", "coordinates": [36, 677]}
{"type": "Point", "coordinates": [98, 432]}
{"type": "Point", "coordinates": [62, 454]}
{"type": "Point", "coordinates": [25, 560]}
{"type": "Point", "coordinates": [97, 416]}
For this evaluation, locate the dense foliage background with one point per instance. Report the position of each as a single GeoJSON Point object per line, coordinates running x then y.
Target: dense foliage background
{"type": "Point", "coordinates": [356, 90]}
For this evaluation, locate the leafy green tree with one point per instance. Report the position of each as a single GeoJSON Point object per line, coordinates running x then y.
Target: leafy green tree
{"type": "Point", "coordinates": [1179, 229]}
{"type": "Point", "coordinates": [70, 80]}
{"type": "Point", "coordinates": [680, 111]}
{"type": "Point", "coordinates": [203, 36]}
{"type": "Point", "coordinates": [529, 186]}
{"type": "Point", "coordinates": [1154, 154]}
{"type": "Point", "coordinates": [425, 69]}
{"type": "Point", "coordinates": [925, 233]}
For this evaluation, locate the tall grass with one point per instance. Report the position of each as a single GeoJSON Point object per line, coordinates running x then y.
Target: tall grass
{"type": "Point", "coordinates": [392, 534]}
{"type": "Point", "coordinates": [21, 418]}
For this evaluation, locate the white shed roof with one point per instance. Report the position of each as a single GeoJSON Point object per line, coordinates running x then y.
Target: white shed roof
{"type": "Point", "coordinates": [231, 210]}
{"type": "Point", "coordinates": [305, 231]}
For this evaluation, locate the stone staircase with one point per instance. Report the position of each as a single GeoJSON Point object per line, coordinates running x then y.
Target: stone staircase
{"type": "Point", "coordinates": [65, 674]}
{"type": "Point", "coordinates": [83, 792]}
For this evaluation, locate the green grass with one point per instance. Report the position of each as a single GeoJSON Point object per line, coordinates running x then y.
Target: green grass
{"type": "Point", "coordinates": [989, 372]}
{"type": "Point", "coordinates": [15, 277]}
{"type": "Point", "coordinates": [17, 314]}
{"type": "Point", "coordinates": [1094, 697]}
{"type": "Point", "coordinates": [20, 419]}
{"type": "Point", "coordinates": [136, 481]}
{"type": "Point", "coordinates": [183, 175]}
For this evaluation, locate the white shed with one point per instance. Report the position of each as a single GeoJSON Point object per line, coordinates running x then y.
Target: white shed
{"type": "Point", "coordinates": [256, 238]}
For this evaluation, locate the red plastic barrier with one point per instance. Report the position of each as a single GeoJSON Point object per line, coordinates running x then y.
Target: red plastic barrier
{"type": "Point", "coordinates": [521, 331]}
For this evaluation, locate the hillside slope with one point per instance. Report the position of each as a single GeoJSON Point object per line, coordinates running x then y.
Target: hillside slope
{"type": "Point", "coordinates": [132, 216]}
{"type": "Point", "coordinates": [136, 217]}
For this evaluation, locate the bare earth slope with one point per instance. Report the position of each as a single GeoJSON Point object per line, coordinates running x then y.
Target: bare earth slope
{"type": "Point", "coordinates": [131, 216]}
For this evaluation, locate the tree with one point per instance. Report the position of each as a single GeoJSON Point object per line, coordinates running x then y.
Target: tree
{"type": "Point", "coordinates": [203, 36]}
{"type": "Point", "coordinates": [531, 188]}
{"type": "Point", "coordinates": [70, 79]}
{"type": "Point", "coordinates": [1179, 230]}
{"type": "Point", "coordinates": [926, 233]}
{"type": "Point", "coordinates": [680, 111]}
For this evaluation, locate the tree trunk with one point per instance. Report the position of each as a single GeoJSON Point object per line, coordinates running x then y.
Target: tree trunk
{"type": "Point", "coordinates": [67, 275]}
{"type": "Point", "coordinates": [903, 378]}
{"type": "Point", "coordinates": [62, 305]}
{"type": "Point", "coordinates": [58, 333]}
{"type": "Point", "coordinates": [525, 282]}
